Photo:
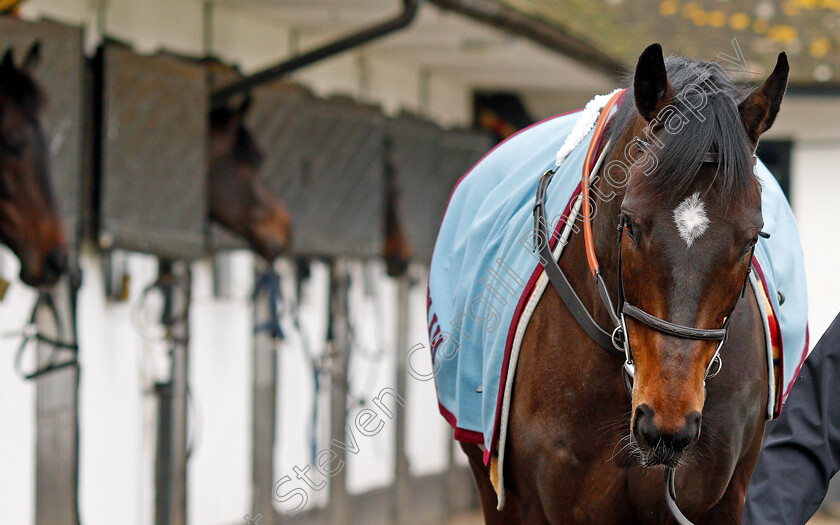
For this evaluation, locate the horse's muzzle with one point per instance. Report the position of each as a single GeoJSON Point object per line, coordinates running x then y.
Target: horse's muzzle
{"type": "Point", "coordinates": [52, 266]}
{"type": "Point", "coordinates": [663, 447]}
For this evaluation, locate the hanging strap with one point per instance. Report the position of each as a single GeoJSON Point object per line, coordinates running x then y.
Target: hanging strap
{"type": "Point", "coordinates": [671, 498]}
{"type": "Point", "coordinates": [270, 282]}
{"type": "Point", "coordinates": [45, 299]}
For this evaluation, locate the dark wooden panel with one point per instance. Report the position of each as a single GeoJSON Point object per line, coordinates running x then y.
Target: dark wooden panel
{"type": "Point", "coordinates": [428, 163]}
{"type": "Point", "coordinates": [415, 148]}
{"type": "Point", "coordinates": [461, 150]}
{"type": "Point", "coordinates": [324, 159]}
{"type": "Point", "coordinates": [153, 194]}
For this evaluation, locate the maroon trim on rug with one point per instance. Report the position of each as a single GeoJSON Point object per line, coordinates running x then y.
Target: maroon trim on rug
{"type": "Point", "coordinates": [461, 434]}
{"type": "Point", "coordinates": [778, 409]}
{"type": "Point", "coordinates": [785, 389]}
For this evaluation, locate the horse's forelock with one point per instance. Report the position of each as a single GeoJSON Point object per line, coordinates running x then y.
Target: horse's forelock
{"type": "Point", "coordinates": [715, 127]}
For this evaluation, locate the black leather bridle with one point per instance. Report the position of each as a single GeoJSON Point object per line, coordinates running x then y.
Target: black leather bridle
{"type": "Point", "coordinates": [617, 341]}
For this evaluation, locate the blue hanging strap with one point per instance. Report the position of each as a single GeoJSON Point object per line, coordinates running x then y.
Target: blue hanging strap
{"type": "Point", "coordinates": [269, 282]}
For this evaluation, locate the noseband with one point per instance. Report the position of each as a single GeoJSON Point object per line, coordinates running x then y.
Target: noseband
{"type": "Point", "coordinates": [616, 341]}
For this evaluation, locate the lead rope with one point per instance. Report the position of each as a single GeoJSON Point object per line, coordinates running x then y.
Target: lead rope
{"type": "Point", "coordinates": [671, 497]}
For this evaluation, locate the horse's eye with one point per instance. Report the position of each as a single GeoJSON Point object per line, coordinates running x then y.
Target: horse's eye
{"type": "Point", "coordinates": [749, 246]}
{"type": "Point", "coordinates": [640, 146]}
{"type": "Point", "coordinates": [631, 228]}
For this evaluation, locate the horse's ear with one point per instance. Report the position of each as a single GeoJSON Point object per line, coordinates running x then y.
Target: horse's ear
{"type": "Point", "coordinates": [244, 106]}
{"type": "Point", "coordinates": [33, 57]}
{"type": "Point", "coordinates": [8, 59]}
{"type": "Point", "coordinates": [759, 109]}
{"type": "Point", "coordinates": [651, 88]}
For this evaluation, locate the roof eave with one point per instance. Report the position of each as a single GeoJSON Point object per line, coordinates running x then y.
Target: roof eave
{"type": "Point", "coordinates": [543, 33]}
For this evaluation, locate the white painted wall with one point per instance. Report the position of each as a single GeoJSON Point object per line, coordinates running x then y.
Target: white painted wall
{"type": "Point", "coordinates": [811, 122]}
{"type": "Point", "coordinates": [120, 366]}
{"type": "Point", "coordinates": [17, 404]}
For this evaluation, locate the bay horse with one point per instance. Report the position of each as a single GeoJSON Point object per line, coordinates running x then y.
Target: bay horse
{"type": "Point", "coordinates": [240, 199]}
{"type": "Point", "coordinates": [579, 449]}
{"type": "Point", "coordinates": [29, 218]}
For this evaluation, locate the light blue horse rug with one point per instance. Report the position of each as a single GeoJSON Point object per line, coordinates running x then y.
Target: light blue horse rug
{"type": "Point", "coordinates": [485, 281]}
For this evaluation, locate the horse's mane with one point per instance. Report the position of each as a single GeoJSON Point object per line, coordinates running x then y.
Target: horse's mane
{"type": "Point", "coordinates": [721, 131]}
{"type": "Point", "coordinates": [245, 148]}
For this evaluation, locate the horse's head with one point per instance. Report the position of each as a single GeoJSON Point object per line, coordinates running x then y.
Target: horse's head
{"type": "Point", "coordinates": [239, 198]}
{"type": "Point", "coordinates": [690, 217]}
{"type": "Point", "coordinates": [29, 221]}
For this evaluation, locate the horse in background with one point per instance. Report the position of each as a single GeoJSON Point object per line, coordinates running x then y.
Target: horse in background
{"type": "Point", "coordinates": [396, 251]}
{"type": "Point", "coordinates": [240, 200]}
{"type": "Point", "coordinates": [29, 218]}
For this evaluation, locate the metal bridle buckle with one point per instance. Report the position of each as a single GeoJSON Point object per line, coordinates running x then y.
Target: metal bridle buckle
{"type": "Point", "coordinates": [716, 358]}
{"type": "Point", "coordinates": [618, 332]}
{"type": "Point", "coordinates": [629, 367]}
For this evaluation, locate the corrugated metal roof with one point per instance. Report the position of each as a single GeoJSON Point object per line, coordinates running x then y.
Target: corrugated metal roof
{"type": "Point", "coordinates": [808, 30]}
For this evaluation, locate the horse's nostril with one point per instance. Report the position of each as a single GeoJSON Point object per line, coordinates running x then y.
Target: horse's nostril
{"type": "Point", "coordinates": [692, 426]}
{"type": "Point", "coordinates": [643, 426]}
{"type": "Point", "coordinates": [57, 260]}
{"type": "Point", "coordinates": [55, 264]}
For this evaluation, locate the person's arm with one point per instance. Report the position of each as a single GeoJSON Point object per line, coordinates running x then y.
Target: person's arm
{"type": "Point", "coordinates": [802, 452]}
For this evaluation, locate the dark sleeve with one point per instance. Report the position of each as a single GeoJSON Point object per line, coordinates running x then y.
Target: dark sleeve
{"type": "Point", "coordinates": [802, 451]}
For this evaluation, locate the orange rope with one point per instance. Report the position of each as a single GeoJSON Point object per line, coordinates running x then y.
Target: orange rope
{"type": "Point", "coordinates": [587, 209]}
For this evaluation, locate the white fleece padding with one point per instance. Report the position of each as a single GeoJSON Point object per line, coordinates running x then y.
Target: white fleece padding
{"type": "Point", "coordinates": [588, 118]}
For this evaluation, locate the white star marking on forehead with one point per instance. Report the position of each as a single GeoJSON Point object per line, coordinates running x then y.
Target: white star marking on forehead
{"type": "Point", "coordinates": [691, 218]}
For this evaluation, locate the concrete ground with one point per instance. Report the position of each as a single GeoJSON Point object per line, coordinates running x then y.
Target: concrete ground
{"type": "Point", "coordinates": [823, 519]}
{"type": "Point", "coordinates": [469, 519]}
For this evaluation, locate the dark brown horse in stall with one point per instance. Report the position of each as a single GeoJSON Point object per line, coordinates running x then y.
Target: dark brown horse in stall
{"type": "Point", "coordinates": [240, 200]}
{"type": "Point", "coordinates": [29, 217]}
{"type": "Point", "coordinates": [397, 248]}
{"type": "Point", "coordinates": [578, 449]}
